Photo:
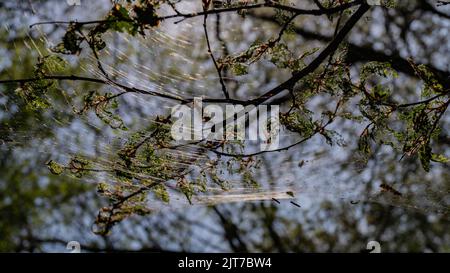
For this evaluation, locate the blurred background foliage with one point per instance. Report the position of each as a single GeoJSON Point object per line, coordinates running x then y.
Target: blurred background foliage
{"type": "Point", "coordinates": [41, 212]}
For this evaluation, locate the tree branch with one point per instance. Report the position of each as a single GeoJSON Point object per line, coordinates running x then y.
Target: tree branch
{"type": "Point", "coordinates": [218, 69]}
{"type": "Point", "coordinates": [330, 49]}
{"type": "Point", "coordinates": [268, 4]}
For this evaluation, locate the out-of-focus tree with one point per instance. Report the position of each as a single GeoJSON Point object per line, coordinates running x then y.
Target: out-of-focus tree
{"type": "Point", "coordinates": [363, 78]}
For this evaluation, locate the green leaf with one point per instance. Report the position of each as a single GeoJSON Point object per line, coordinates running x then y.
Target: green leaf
{"type": "Point", "coordinates": [439, 158]}
{"type": "Point", "coordinates": [78, 166]}
{"type": "Point", "coordinates": [425, 157]}
{"type": "Point", "coordinates": [118, 17]}
{"type": "Point", "coordinates": [161, 192]}
{"type": "Point", "coordinates": [377, 68]}
{"type": "Point", "coordinates": [430, 80]}
{"type": "Point", "coordinates": [55, 168]}
{"type": "Point", "coordinates": [71, 42]}
{"type": "Point", "coordinates": [33, 95]}
{"type": "Point", "coordinates": [239, 69]}
{"type": "Point", "coordinates": [186, 188]}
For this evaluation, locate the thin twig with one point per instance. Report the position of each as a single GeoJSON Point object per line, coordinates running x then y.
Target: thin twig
{"type": "Point", "coordinates": [211, 54]}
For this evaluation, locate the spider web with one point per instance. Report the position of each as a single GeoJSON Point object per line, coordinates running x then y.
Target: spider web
{"type": "Point", "coordinates": [170, 60]}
